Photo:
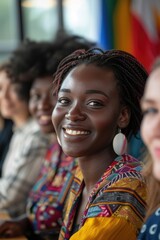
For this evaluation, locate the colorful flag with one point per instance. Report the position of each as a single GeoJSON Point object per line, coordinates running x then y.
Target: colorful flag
{"type": "Point", "coordinates": [133, 26]}
{"type": "Point", "coordinates": [146, 30]}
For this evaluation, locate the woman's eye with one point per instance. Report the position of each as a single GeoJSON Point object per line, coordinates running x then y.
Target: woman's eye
{"type": "Point", "coordinates": [149, 111]}
{"type": "Point", "coordinates": [95, 104]}
{"type": "Point", "coordinates": [35, 97]}
{"type": "Point", "coordinates": [63, 101]}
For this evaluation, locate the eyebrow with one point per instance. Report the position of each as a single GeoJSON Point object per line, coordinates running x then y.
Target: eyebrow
{"type": "Point", "coordinates": [146, 100]}
{"type": "Point", "coordinates": [64, 90]}
{"type": "Point", "coordinates": [91, 91]}
{"type": "Point", "coordinates": [96, 91]}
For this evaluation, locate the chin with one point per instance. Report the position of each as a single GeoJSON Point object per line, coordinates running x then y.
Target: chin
{"type": "Point", "coordinates": [69, 152]}
{"type": "Point", "coordinates": [6, 115]}
{"type": "Point", "coordinates": [47, 130]}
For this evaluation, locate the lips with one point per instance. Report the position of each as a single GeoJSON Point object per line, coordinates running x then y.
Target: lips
{"type": "Point", "coordinates": [44, 119]}
{"type": "Point", "coordinates": [157, 152]}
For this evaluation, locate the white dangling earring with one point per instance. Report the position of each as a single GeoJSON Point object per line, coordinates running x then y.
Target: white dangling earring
{"type": "Point", "coordinates": [120, 143]}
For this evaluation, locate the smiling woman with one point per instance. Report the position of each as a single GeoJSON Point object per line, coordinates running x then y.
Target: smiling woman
{"type": "Point", "coordinates": [27, 147]}
{"type": "Point", "coordinates": [42, 102]}
{"type": "Point", "coordinates": [95, 102]}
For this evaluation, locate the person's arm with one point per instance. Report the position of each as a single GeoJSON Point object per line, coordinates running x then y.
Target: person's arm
{"type": "Point", "coordinates": [20, 173]}
{"type": "Point", "coordinates": [15, 227]}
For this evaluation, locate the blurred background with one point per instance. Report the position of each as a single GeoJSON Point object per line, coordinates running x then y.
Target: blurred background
{"type": "Point", "coordinates": [131, 25]}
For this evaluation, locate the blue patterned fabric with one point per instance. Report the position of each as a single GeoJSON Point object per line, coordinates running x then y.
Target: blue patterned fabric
{"type": "Point", "coordinates": [151, 228]}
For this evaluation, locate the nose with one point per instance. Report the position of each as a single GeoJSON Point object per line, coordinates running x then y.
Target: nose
{"type": "Point", "coordinates": [75, 114]}
{"type": "Point", "coordinates": [44, 103]}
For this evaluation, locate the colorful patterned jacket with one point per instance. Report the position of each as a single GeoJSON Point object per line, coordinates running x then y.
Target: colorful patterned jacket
{"type": "Point", "coordinates": [46, 201]}
{"type": "Point", "coordinates": [115, 208]}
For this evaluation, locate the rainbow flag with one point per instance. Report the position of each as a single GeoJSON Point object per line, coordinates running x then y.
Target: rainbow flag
{"type": "Point", "coordinates": [133, 26]}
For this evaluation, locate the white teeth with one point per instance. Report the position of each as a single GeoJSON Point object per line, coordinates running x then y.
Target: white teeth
{"type": "Point", "coordinates": [45, 118]}
{"type": "Point", "coordinates": [75, 132]}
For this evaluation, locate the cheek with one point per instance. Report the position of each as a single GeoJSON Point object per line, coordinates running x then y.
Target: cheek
{"type": "Point", "coordinates": [156, 170]}
{"type": "Point", "coordinates": [146, 131]}
{"type": "Point", "coordinates": [32, 107]}
{"type": "Point", "coordinates": [56, 117]}
{"type": "Point", "coordinates": [106, 127]}
{"type": "Point", "coordinates": [14, 96]}
{"type": "Point", "coordinates": [6, 111]}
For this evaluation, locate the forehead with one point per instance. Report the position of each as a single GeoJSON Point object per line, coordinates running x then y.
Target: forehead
{"type": "Point", "coordinates": [42, 81]}
{"type": "Point", "coordinates": [152, 89]}
{"type": "Point", "coordinates": [90, 76]}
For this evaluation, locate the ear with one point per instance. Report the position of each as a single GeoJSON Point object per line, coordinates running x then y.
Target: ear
{"type": "Point", "coordinates": [124, 117]}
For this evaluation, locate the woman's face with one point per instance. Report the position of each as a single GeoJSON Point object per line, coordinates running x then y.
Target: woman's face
{"type": "Point", "coordinates": [11, 106]}
{"type": "Point", "coordinates": [42, 102]}
{"type": "Point", "coordinates": [88, 111]}
{"type": "Point", "coordinates": [150, 127]}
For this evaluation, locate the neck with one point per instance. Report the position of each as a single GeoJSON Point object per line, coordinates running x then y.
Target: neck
{"type": "Point", "coordinates": [93, 167]}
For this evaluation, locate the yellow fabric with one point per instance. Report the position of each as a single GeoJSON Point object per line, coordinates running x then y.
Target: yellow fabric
{"type": "Point", "coordinates": [105, 229]}
{"type": "Point", "coordinates": [71, 198]}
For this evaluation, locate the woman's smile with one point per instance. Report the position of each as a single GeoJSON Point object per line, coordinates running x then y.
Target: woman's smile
{"type": "Point", "coordinates": [75, 132]}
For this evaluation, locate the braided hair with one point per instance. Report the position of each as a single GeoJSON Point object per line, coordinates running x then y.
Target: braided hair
{"type": "Point", "coordinates": [129, 73]}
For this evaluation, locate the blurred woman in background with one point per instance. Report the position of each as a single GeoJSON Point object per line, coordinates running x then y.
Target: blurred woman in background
{"type": "Point", "coordinates": [46, 200]}
{"type": "Point", "coordinates": [28, 145]}
{"type": "Point", "coordinates": [150, 130]}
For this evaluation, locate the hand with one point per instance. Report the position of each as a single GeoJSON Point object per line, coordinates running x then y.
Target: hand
{"type": "Point", "coordinates": [10, 229]}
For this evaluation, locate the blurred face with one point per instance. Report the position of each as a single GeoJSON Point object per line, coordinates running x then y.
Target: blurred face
{"type": "Point", "coordinates": [11, 106]}
{"type": "Point", "coordinates": [88, 111]}
{"type": "Point", "coordinates": [150, 128]}
{"type": "Point", "coordinates": [42, 102]}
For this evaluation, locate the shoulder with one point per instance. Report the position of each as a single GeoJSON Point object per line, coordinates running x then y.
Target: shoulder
{"type": "Point", "coordinates": [122, 193]}
{"type": "Point", "coordinates": [34, 137]}
{"type": "Point", "coordinates": [126, 166]}
{"type": "Point", "coordinates": [130, 162]}
{"type": "Point", "coordinates": [31, 126]}
{"type": "Point", "coordinates": [125, 182]}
